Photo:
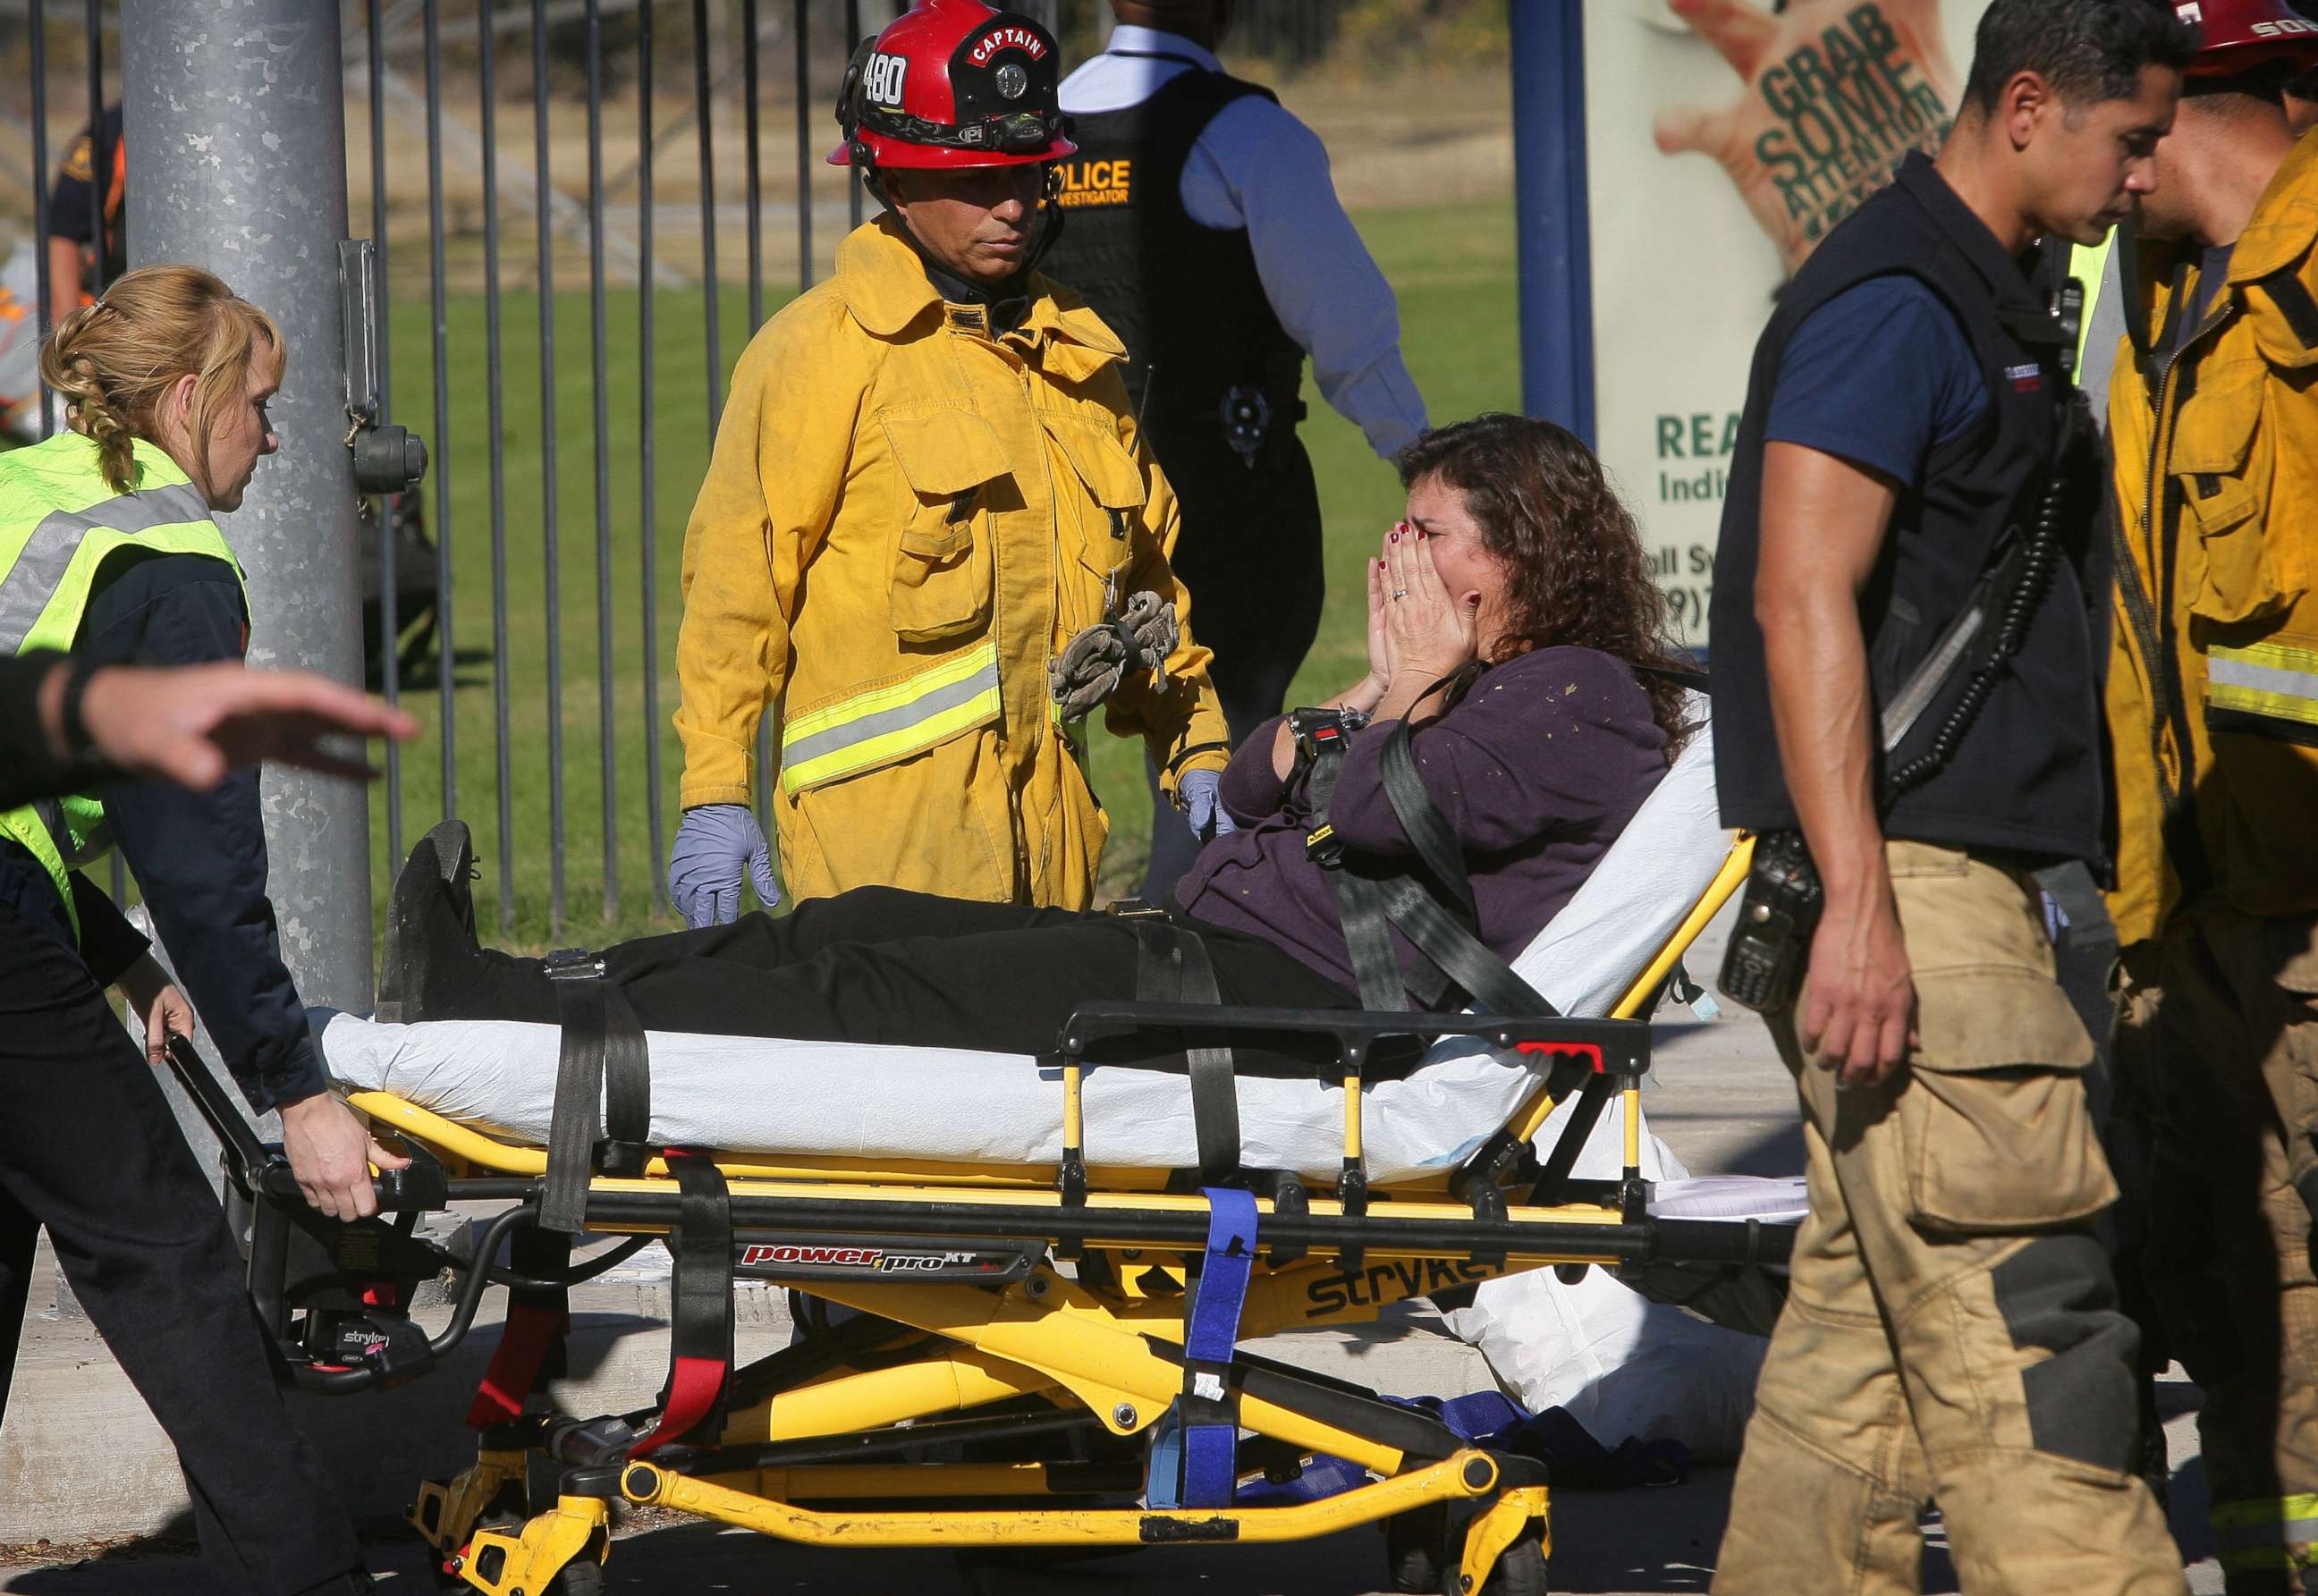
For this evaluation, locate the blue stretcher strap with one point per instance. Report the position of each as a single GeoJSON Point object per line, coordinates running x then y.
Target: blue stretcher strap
{"type": "Point", "coordinates": [1210, 1332]}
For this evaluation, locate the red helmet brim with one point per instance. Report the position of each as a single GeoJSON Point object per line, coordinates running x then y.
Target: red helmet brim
{"type": "Point", "coordinates": [900, 152]}
{"type": "Point", "coordinates": [2229, 61]}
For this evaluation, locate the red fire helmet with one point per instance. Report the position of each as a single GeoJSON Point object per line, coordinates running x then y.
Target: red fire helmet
{"type": "Point", "coordinates": [2240, 34]}
{"type": "Point", "coordinates": [955, 84]}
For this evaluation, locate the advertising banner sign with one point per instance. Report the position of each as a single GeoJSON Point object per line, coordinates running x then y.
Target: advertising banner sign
{"type": "Point", "coordinates": [1724, 139]}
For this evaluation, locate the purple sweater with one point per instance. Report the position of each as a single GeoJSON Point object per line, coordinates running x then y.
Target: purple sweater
{"type": "Point", "coordinates": [1537, 771]}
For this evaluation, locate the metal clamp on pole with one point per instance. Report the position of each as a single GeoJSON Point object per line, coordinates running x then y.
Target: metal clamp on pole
{"type": "Point", "coordinates": [387, 458]}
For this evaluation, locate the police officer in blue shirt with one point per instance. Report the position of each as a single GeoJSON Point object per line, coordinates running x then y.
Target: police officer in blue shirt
{"type": "Point", "coordinates": [1203, 227]}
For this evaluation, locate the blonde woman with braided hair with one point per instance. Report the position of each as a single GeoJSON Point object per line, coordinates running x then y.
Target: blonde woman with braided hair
{"type": "Point", "coordinates": [108, 550]}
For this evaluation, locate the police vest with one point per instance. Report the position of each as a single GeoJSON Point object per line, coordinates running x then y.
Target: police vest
{"type": "Point", "coordinates": [2026, 777]}
{"type": "Point", "coordinates": [1184, 299]}
{"type": "Point", "coordinates": [59, 521]}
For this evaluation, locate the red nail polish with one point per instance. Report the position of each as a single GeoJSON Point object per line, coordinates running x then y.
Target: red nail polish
{"type": "Point", "coordinates": [1396, 535]}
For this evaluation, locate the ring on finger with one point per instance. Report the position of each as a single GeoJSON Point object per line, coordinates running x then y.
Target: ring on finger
{"type": "Point", "coordinates": [1400, 593]}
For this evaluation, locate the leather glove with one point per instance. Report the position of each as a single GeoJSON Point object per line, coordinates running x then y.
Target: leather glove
{"type": "Point", "coordinates": [1201, 791]}
{"type": "Point", "coordinates": [713, 842]}
{"type": "Point", "coordinates": [1092, 664]}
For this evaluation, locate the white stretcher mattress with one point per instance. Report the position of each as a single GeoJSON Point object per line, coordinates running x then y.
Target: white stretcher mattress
{"type": "Point", "coordinates": [748, 1094]}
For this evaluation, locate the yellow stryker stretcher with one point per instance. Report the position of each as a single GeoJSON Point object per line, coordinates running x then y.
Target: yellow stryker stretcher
{"type": "Point", "coordinates": [1043, 1354]}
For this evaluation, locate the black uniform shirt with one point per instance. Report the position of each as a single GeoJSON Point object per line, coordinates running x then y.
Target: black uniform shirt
{"type": "Point", "coordinates": [199, 856]}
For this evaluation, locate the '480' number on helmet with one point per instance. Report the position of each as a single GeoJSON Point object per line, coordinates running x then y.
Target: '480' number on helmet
{"type": "Point", "coordinates": [881, 79]}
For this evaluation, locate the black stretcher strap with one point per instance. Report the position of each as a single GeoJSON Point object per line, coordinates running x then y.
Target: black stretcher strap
{"type": "Point", "coordinates": [1444, 934]}
{"type": "Point", "coordinates": [1173, 966]}
{"type": "Point", "coordinates": [602, 1046]}
{"type": "Point", "coordinates": [627, 1086]}
{"type": "Point", "coordinates": [1468, 963]}
{"type": "Point", "coordinates": [1367, 925]}
{"type": "Point", "coordinates": [1435, 839]}
{"type": "Point", "coordinates": [1359, 902]}
{"type": "Point", "coordinates": [700, 1319]}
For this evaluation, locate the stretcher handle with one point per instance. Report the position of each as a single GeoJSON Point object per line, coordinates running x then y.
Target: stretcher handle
{"type": "Point", "coordinates": [250, 1159]}
{"type": "Point", "coordinates": [1623, 1044]}
{"type": "Point", "coordinates": [257, 1167]}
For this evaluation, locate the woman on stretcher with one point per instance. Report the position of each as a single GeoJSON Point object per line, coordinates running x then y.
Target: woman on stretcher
{"type": "Point", "coordinates": [1506, 615]}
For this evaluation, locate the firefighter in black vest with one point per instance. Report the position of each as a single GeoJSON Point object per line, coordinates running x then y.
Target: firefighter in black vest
{"type": "Point", "coordinates": [1951, 1331]}
{"type": "Point", "coordinates": [1204, 230]}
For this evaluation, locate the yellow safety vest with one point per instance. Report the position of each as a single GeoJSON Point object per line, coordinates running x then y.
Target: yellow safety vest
{"type": "Point", "coordinates": [2089, 264]}
{"type": "Point", "coordinates": [59, 521]}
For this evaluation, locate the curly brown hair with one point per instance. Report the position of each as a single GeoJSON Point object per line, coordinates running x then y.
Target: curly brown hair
{"type": "Point", "coordinates": [1570, 549]}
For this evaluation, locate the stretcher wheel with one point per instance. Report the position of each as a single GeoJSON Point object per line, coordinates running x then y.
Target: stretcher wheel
{"type": "Point", "coordinates": [584, 1576]}
{"type": "Point", "coordinates": [1520, 1569]}
{"type": "Point", "coordinates": [1422, 1554]}
{"type": "Point", "coordinates": [1413, 1542]}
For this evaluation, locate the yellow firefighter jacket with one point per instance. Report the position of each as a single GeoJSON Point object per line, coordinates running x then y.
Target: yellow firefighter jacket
{"type": "Point", "coordinates": [2213, 682]}
{"type": "Point", "coordinates": [905, 518]}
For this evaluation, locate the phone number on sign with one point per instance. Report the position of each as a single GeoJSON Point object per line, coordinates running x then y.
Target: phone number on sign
{"type": "Point", "coordinates": [1686, 605]}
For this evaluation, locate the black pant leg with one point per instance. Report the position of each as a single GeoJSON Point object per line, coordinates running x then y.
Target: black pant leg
{"type": "Point", "coordinates": [486, 984]}
{"type": "Point", "coordinates": [864, 914]}
{"type": "Point", "coordinates": [1008, 990]}
{"type": "Point", "coordinates": [20, 1236]}
{"type": "Point", "coordinates": [878, 964]}
{"type": "Point", "coordinates": [89, 1148]}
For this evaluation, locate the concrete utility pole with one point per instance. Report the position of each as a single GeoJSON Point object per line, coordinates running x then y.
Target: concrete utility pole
{"type": "Point", "coordinates": [236, 129]}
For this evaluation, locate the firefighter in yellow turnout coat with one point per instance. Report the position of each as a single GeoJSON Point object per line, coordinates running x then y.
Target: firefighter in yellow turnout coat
{"type": "Point", "coordinates": [923, 487]}
{"type": "Point", "coordinates": [2213, 711]}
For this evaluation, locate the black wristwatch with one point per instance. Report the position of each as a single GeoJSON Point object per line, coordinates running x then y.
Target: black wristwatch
{"type": "Point", "coordinates": [1325, 731]}
{"type": "Point", "coordinates": [80, 748]}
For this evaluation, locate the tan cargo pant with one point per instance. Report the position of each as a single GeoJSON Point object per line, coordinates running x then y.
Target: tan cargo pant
{"type": "Point", "coordinates": [1951, 1332]}
{"type": "Point", "coordinates": [2217, 1059]}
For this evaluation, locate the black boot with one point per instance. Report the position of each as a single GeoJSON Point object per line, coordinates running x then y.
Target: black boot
{"type": "Point", "coordinates": [431, 907]}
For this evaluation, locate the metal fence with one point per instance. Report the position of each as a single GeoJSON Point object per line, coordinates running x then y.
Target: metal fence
{"type": "Point", "coordinates": [499, 522]}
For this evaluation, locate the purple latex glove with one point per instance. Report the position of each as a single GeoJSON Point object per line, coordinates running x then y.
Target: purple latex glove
{"type": "Point", "coordinates": [713, 842]}
{"type": "Point", "coordinates": [1201, 791]}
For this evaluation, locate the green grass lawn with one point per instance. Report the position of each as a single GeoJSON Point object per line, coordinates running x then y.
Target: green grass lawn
{"type": "Point", "coordinates": [1453, 268]}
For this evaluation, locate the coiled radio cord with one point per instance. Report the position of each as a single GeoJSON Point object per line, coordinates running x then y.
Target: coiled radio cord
{"type": "Point", "coordinates": [2038, 560]}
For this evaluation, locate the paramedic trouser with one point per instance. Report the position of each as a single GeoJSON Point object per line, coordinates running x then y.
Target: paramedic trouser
{"type": "Point", "coordinates": [89, 1149]}
{"type": "Point", "coordinates": [2217, 1053]}
{"type": "Point", "coordinates": [880, 965]}
{"type": "Point", "coordinates": [1951, 1331]}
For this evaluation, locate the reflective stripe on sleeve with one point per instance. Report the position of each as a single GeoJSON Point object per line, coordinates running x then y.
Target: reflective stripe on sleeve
{"type": "Point", "coordinates": [2273, 1533]}
{"type": "Point", "coordinates": [890, 722]}
{"type": "Point", "coordinates": [2265, 679]}
{"type": "Point", "coordinates": [48, 554]}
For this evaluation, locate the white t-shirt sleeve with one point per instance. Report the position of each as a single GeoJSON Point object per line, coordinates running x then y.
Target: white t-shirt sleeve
{"type": "Point", "coordinates": [1256, 165]}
